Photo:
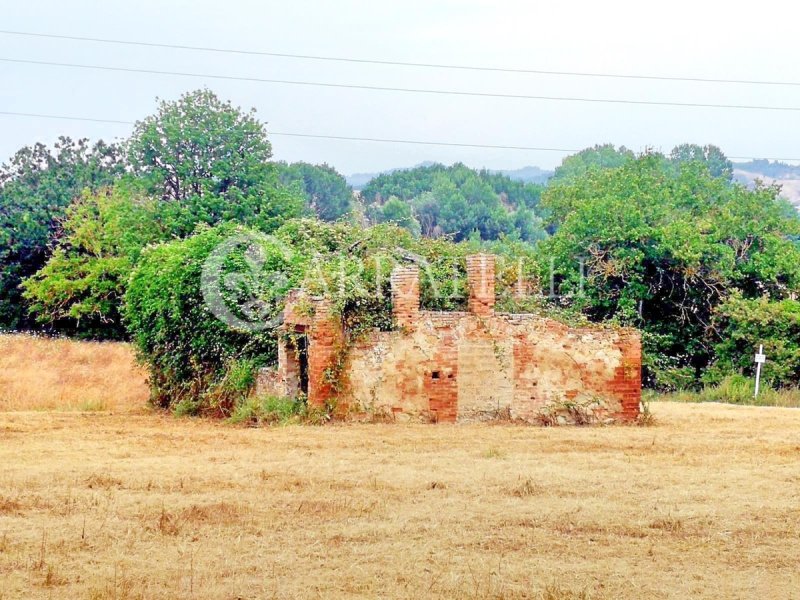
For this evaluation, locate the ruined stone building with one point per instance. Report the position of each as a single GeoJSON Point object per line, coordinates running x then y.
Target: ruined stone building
{"type": "Point", "coordinates": [449, 366]}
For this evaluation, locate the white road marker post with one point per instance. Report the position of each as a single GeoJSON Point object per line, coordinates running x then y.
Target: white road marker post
{"type": "Point", "coordinates": [760, 360]}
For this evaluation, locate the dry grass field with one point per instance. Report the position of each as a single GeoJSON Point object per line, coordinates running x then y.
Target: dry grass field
{"type": "Point", "coordinates": [133, 505]}
{"type": "Point", "coordinates": [39, 373]}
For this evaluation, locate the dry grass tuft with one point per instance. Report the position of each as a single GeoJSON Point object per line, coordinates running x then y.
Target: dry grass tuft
{"type": "Point", "coordinates": [9, 505]}
{"type": "Point", "coordinates": [95, 481]}
{"type": "Point", "coordinates": [670, 524]}
{"type": "Point", "coordinates": [557, 592]}
{"type": "Point", "coordinates": [494, 453]}
{"type": "Point", "coordinates": [527, 488]}
{"type": "Point", "coordinates": [39, 373]}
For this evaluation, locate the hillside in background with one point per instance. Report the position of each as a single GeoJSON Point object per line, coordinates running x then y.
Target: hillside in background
{"type": "Point", "coordinates": [530, 174]}
{"type": "Point", "coordinates": [783, 174]}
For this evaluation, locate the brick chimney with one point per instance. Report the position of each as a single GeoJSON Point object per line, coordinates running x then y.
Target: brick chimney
{"type": "Point", "coordinates": [405, 295]}
{"type": "Point", "coordinates": [480, 277]}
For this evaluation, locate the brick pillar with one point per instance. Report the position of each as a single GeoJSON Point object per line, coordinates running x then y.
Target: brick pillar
{"type": "Point", "coordinates": [325, 338]}
{"type": "Point", "coordinates": [480, 277]}
{"type": "Point", "coordinates": [627, 385]}
{"type": "Point", "coordinates": [405, 296]}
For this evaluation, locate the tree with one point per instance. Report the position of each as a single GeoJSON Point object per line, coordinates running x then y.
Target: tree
{"type": "Point", "coordinates": [398, 212]}
{"type": "Point", "coordinates": [80, 288]}
{"type": "Point", "coordinates": [325, 190]}
{"type": "Point", "coordinates": [211, 161]}
{"type": "Point", "coordinates": [662, 249]}
{"type": "Point", "coordinates": [200, 145]}
{"type": "Point", "coordinates": [197, 162]}
{"type": "Point", "coordinates": [598, 157]}
{"type": "Point", "coordinates": [716, 161]}
{"type": "Point", "coordinates": [744, 324]}
{"type": "Point", "coordinates": [36, 186]}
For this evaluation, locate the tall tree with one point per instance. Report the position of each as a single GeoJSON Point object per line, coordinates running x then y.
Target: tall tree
{"type": "Point", "coordinates": [36, 186]}
{"type": "Point", "coordinates": [79, 289]}
{"type": "Point", "coordinates": [197, 161]}
{"type": "Point", "coordinates": [604, 156]}
{"type": "Point", "coordinates": [459, 202]}
{"type": "Point", "coordinates": [211, 160]}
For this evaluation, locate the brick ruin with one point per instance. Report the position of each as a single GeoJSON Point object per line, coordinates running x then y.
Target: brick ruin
{"type": "Point", "coordinates": [454, 366]}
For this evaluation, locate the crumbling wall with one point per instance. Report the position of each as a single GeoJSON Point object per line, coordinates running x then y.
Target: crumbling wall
{"type": "Point", "coordinates": [457, 366]}
{"type": "Point", "coordinates": [448, 366]}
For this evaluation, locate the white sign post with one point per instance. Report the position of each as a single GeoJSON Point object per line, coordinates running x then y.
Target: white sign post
{"type": "Point", "coordinates": [760, 360]}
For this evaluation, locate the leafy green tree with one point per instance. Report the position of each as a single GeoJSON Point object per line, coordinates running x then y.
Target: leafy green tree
{"type": "Point", "coordinates": [662, 249]}
{"type": "Point", "coordinates": [36, 186]}
{"type": "Point", "coordinates": [716, 161]}
{"type": "Point", "coordinates": [200, 145]}
{"type": "Point", "coordinates": [211, 160]}
{"type": "Point", "coordinates": [198, 161]}
{"type": "Point", "coordinates": [604, 156]}
{"type": "Point", "coordinates": [80, 288]}
{"type": "Point", "coordinates": [325, 190]}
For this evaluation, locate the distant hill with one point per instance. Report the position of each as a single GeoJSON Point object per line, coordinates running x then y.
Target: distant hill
{"type": "Point", "coordinates": [358, 181]}
{"type": "Point", "coordinates": [526, 174]}
{"type": "Point", "coordinates": [785, 175]}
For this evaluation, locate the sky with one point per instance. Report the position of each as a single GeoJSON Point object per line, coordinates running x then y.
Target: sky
{"type": "Point", "coordinates": [730, 40]}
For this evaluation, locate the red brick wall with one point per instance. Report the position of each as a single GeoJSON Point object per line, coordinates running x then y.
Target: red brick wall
{"type": "Point", "coordinates": [405, 296]}
{"type": "Point", "coordinates": [325, 340]}
{"type": "Point", "coordinates": [480, 278]}
{"type": "Point", "coordinates": [627, 382]}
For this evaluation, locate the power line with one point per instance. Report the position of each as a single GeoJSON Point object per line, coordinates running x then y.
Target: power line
{"type": "Point", "coordinates": [397, 89]}
{"type": "Point", "coordinates": [360, 139]}
{"type": "Point", "coordinates": [397, 63]}
{"type": "Point", "coordinates": [63, 117]}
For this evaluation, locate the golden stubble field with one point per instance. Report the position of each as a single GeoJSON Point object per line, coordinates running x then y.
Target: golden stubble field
{"type": "Point", "coordinates": [125, 503]}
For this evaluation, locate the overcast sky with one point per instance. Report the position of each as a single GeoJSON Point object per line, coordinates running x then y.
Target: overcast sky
{"type": "Point", "coordinates": [730, 40]}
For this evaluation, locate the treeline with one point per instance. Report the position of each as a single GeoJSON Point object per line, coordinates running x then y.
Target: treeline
{"type": "Point", "coordinates": [457, 202]}
{"type": "Point", "coordinates": [111, 241]}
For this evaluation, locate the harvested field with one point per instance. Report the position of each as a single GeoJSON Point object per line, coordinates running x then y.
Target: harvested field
{"type": "Point", "coordinates": [134, 505]}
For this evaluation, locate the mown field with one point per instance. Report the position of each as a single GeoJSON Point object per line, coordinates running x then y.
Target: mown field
{"type": "Point", "coordinates": [101, 498]}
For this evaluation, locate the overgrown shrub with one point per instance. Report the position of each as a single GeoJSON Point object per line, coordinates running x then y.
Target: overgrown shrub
{"type": "Point", "coordinates": [185, 345]}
